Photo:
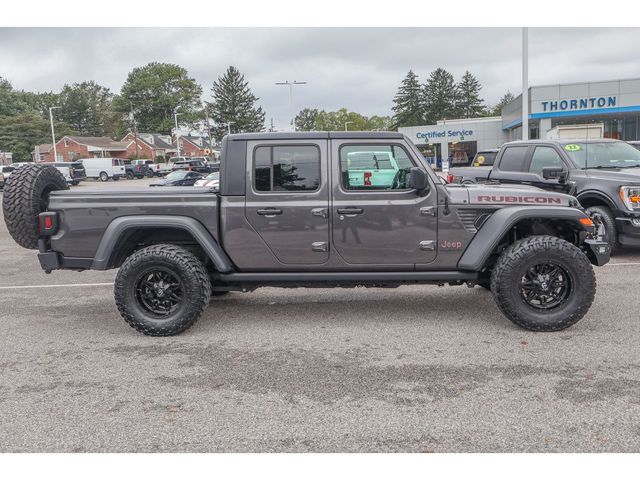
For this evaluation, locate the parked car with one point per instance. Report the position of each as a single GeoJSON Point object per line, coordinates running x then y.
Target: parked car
{"type": "Point", "coordinates": [211, 180]}
{"type": "Point", "coordinates": [104, 168]}
{"type": "Point", "coordinates": [192, 166]}
{"type": "Point", "coordinates": [603, 174]}
{"type": "Point", "coordinates": [159, 169]}
{"type": "Point", "coordinates": [5, 173]}
{"type": "Point", "coordinates": [635, 144]}
{"type": "Point", "coordinates": [179, 178]}
{"type": "Point", "coordinates": [372, 169]}
{"type": "Point", "coordinates": [78, 172]}
{"type": "Point", "coordinates": [485, 157]}
{"type": "Point", "coordinates": [286, 216]}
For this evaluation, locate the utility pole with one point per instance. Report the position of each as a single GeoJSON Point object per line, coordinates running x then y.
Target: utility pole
{"type": "Point", "coordinates": [135, 131]}
{"type": "Point", "coordinates": [229, 127]}
{"type": "Point", "coordinates": [53, 134]}
{"type": "Point", "coordinates": [346, 125]}
{"type": "Point", "coordinates": [175, 116]}
{"type": "Point", "coordinates": [206, 116]}
{"type": "Point", "coordinates": [291, 84]}
{"type": "Point", "coordinates": [525, 83]}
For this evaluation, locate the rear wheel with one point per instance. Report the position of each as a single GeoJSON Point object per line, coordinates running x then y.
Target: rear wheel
{"type": "Point", "coordinates": [162, 290]}
{"type": "Point", "coordinates": [129, 175]}
{"type": "Point", "coordinates": [26, 195]}
{"type": "Point", "coordinates": [605, 223]}
{"type": "Point", "coordinates": [104, 177]}
{"type": "Point", "coordinates": [543, 283]}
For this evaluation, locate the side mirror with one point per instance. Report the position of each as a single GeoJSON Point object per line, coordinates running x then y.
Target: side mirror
{"type": "Point", "coordinates": [550, 173]}
{"type": "Point", "coordinates": [418, 179]}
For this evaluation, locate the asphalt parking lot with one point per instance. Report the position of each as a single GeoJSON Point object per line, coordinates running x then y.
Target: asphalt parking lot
{"type": "Point", "coordinates": [417, 369]}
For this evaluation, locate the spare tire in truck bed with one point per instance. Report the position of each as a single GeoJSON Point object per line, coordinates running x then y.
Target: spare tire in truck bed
{"type": "Point", "coordinates": [26, 194]}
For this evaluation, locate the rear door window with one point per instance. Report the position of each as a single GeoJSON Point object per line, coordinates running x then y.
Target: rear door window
{"type": "Point", "coordinates": [514, 159]}
{"type": "Point", "coordinates": [286, 168]}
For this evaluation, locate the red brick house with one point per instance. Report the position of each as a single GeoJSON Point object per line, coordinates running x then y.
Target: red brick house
{"type": "Point", "coordinates": [151, 145]}
{"type": "Point", "coordinates": [192, 146]}
{"type": "Point", "coordinates": [70, 148]}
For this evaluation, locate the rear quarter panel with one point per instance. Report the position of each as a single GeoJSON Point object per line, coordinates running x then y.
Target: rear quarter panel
{"type": "Point", "coordinates": [85, 215]}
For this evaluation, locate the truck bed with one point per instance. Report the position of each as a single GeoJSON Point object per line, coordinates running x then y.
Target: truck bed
{"type": "Point", "coordinates": [85, 214]}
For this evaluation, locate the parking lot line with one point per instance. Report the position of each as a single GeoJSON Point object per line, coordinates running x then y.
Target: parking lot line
{"type": "Point", "coordinates": [65, 285]}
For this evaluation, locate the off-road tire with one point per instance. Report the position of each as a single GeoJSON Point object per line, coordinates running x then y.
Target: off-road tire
{"type": "Point", "coordinates": [130, 175]}
{"type": "Point", "coordinates": [149, 174]}
{"type": "Point", "coordinates": [185, 266]}
{"type": "Point", "coordinates": [515, 262]}
{"type": "Point", "coordinates": [104, 177]}
{"type": "Point", "coordinates": [26, 194]}
{"type": "Point", "coordinates": [604, 215]}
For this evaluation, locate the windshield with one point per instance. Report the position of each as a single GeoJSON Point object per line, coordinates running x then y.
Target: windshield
{"type": "Point", "coordinates": [603, 155]}
{"type": "Point", "coordinates": [213, 176]}
{"type": "Point", "coordinates": [177, 175]}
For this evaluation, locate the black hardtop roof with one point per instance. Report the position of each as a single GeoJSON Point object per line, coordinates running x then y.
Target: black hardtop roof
{"type": "Point", "coordinates": [312, 135]}
{"type": "Point", "coordinates": [563, 141]}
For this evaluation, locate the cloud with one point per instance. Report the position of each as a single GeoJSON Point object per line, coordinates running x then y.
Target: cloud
{"type": "Point", "coordinates": [357, 68]}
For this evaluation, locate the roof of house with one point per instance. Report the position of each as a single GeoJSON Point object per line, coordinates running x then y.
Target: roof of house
{"type": "Point", "coordinates": [194, 140]}
{"type": "Point", "coordinates": [104, 143]}
{"type": "Point", "coordinates": [44, 148]}
{"type": "Point", "coordinates": [158, 140]}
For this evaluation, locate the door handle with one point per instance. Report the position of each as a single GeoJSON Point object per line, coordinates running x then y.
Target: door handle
{"type": "Point", "coordinates": [350, 211]}
{"type": "Point", "coordinates": [320, 212]}
{"type": "Point", "coordinates": [269, 212]}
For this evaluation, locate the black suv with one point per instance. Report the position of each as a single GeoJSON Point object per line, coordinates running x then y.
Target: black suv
{"type": "Point", "coordinates": [193, 166]}
{"type": "Point", "coordinates": [603, 174]}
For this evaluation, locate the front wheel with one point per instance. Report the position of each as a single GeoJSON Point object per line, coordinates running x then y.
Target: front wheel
{"type": "Point", "coordinates": [543, 283]}
{"type": "Point", "coordinates": [605, 223]}
{"type": "Point", "coordinates": [162, 290]}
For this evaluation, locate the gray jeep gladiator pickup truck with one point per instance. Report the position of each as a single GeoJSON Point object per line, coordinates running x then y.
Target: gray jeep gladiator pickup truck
{"type": "Point", "coordinates": [312, 210]}
{"type": "Point", "coordinates": [603, 174]}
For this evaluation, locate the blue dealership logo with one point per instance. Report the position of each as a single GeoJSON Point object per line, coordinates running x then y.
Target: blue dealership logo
{"type": "Point", "coordinates": [579, 104]}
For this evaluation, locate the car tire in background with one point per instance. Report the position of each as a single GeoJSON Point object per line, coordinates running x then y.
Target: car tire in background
{"type": "Point", "coordinates": [129, 175]}
{"type": "Point", "coordinates": [26, 195]}
{"type": "Point", "coordinates": [605, 223]}
{"type": "Point", "coordinates": [104, 177]}
{"type": "Point", "coordinates": [543, 283]}
{"type": "Point", "coordinates": [162, 290]}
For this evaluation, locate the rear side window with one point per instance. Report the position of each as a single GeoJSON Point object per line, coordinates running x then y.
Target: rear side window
{"type": "Point", "coordinates": [286, 168]}
{"type": "Point", "coordinates": [374, 167]}
{"type": "Point", "coordinates": [513, 159]}
{"type": "Point", "coordinates": [544, 157]}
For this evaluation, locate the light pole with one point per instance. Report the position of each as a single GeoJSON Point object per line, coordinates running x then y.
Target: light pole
{"type": "Point", "coordinates": [229, 127]}
{"type": "Point", "coordinates": [175, 116]}
{"type": "Point", "coordinates": [206, 116]}
{"type": "Point", "coordinates": [346, 125]}
{"type": "Point", "coordinates": [291, 84]}
{"type": "Point", "coordinates": [525, 83]}
{"type": "Point", "coordinates": [53, 134]}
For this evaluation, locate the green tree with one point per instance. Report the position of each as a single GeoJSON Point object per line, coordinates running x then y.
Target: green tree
{"type": "Point", "coordinates": [86, 107]}
{"type": "Point", "coordinates": [496, 111]}
{"type": "Point", "coordinates": [407, 104]}
{"type": "Point", "coordinates": [20, 133]}
{"type": "Point", "coordinates": [380, 123]}
{"type": "Point", "coordinates": [439, 96]}
{"type": "Point", "coordinates": [11, 101]}
{"type": "Point", "coordinates": [468, 101]}
{"type": "Point", "coordinates": [306, 119]}
{"type": "Point", "coordinates": [234, 105]}
{"type": "Point", "coordinates": [155, 93]}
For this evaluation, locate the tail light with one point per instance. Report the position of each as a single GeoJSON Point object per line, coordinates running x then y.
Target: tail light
{"type": "Point", "coordinates": [367, 179]}
{"type": "Point", "coordinates": [137, 168]}
{"type": "Point", "coordinates": [48, 224]}
{"type": "Point", "coordinates": [450, 178]}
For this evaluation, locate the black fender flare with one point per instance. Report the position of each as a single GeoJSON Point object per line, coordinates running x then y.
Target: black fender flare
{"type": "Point", "coordinates": [501, 221]}
{"type": "Point", "coordinates": [606, 199]}
{"type": "Point", "coordinates": [120, 225]}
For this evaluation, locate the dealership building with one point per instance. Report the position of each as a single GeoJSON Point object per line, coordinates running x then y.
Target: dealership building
{"type": "Point", "coordinates": [611, 106]}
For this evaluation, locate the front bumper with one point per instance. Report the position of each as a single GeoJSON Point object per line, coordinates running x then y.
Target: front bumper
{"type": "Point", "coordinates": [598, 252]}
{"type": "Point", "coordinates": [628, 231]}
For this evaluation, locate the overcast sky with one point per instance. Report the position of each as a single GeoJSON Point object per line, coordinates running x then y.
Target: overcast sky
{"type": "Point", "coordinates": [356, 68]}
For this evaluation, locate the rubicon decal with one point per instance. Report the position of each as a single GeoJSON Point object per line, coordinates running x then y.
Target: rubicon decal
{"type": "Point", "coordinates": [517, 199]}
